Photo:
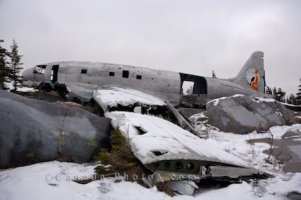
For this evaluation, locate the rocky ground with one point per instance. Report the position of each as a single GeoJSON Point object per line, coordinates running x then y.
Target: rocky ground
{"type": "Point", "coordinates": [275, 151]}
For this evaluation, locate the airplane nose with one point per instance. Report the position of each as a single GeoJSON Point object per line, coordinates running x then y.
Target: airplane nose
{"type": "Point", "coordinates": [29, 80]}
{"type": "Point", "coordinates": [27, 75]}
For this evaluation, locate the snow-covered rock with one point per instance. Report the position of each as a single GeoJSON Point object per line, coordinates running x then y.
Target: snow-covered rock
{"type": "Point", "coordinates": [35, 131]}
{"type": "Point", "coordinates": [242, 114]}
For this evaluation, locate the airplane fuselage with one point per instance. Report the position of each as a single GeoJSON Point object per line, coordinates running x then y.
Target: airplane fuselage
{"type": "Point", "coordinates": [82, 78]}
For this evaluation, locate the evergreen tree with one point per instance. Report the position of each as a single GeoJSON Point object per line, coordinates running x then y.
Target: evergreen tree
{"type": "Point", "coordinates": [5, 71]}
{"type": "Point", "coordinates": [280, 95]}
{"type": "Point", "coordinates": [274, 91]}
{"type": "Point", "coordinates": [268, 90]}
{"type": "Point", "coordinates": [291, 99]}
{"type": "Point", "coordinates": [213, 74]}
{"type": "Point", "coordinates": [298, 95]}
{"type": "Point", "coordinates": [299, 91]}
{"type": "Point", "coordinates": [15, 66]}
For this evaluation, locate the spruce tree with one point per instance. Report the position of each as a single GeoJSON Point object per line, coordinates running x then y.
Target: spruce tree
{"type": "Point", "coordinates": [298, 95]}
{"type": "Point", "coordinates": [280, 95]}
{"type": "Point", "coordinates": [15, 66]}
{"type": "Point", "coordinates": [274, 91]}
{"type": "Point", "coordinates": [268, 90]}
{"type": "Point", "coordinates": [299, 91]}
{"type": "Point", "coordinates": [5, 71]}
{"type": "Point", "coordinates": [291, 99]}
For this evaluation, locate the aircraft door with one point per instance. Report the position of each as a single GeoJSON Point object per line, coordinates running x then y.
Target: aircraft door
{"type": "Point", "coordinates": [54, 73]}
{"type": "Point", "coordinates": [193, 85]}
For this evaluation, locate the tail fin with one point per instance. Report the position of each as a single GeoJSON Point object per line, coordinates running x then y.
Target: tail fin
{"type": "Point", "coordinates": [252, 74]}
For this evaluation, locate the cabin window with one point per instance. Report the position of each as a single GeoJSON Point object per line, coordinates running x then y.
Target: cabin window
{"type": "Point", "coordinates": [167, 164]}
{"type": "Point", "coordinates": [190, 166]}
{"type": "Point", "coordinates": [139, 77]}
{"type": "Point", "coordinates": [84, 71]}
{"type": "Point", "coordinates": [125, 74]}
{"type": "Point", "coordinates": [111, 73]}
{"type": "Point", "coordinates": [179, 165]}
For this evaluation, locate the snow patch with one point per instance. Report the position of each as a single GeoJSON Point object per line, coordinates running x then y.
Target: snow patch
{"type": "Point", "coordinates": [21, 89]}
{"type": "Point", "coordinates": [113, 96]}
{"type": "Point", "coordinates": [31, 182]}
{"type": "Point", "coordinates": [261, 99]}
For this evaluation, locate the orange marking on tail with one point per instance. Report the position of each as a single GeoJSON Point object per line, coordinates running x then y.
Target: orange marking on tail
{"type": "Point", "coordinates": [255, 82]}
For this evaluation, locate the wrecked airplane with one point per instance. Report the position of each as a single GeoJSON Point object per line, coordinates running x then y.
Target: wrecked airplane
{"type": "Point", "coordinates": [171, 151]}
{"type": "Point", "coordinates": [80, 79]}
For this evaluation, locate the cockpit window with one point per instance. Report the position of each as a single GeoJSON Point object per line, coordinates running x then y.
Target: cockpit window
{"type": "Point", "coordinates": [40, 69]}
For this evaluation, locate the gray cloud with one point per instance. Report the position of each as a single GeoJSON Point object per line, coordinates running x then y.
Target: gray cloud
{"type": "Point", "coordinates": [191, 36]}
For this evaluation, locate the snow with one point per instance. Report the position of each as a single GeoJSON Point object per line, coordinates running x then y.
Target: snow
{"type": "Point", "coordinates": [53, 180]}
{"type": "Point", "coordinates": [216, 101]}
{"type": "Point", "coordinates": [197, 116]}
{"type": "Point", "coordinates": [261, 99]}
{"type": "Point", "coordinates": [112, 96]}
{"type": "Point", "coordinates": [165, 137]}
{"type": "Point", "coordinates": [291, 105]}
{"type": "Point", "coordinates": [256, 99]}
{"type": "Point", "coordinates": [21, 89]}
{"type": "Point", "coordinates": [237, 95]}
{"type": "Point", "coordinates": [253, 154]}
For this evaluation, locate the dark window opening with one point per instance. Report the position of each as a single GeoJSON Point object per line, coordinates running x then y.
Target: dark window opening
{"type": "Point", "coordinates": [42, 66]}
{"type": "Point", "coordinates": [179, 165]}
{"type": "Point", "coordinates": [84, 71]}
{"type": "Point", "coordinates": [198, 84]}
{"type": "Point", "coordinates": [157, 164]}
{"type": "Point", "coordinates": [139, 77]}
{"type": "Point", "coordinates": [190, 166]}
{"type": "Point", "coordinates": [166, 164]}
{"type": "Point", "coordinates": [159, 153]}
{"type": "Point", "coordinates": [125, 74]}
{"type": "Point", "coordinates": [111, 73]}
{"type": "Point", "coordinates": [54, 73]}
{"type": "Point", "coordinates": [140, 130]}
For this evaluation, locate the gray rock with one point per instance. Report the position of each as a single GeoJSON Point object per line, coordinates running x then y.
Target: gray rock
{"type": "Point", "coordinates": [242, 114]}
{"type": "Point", "coordinates": [35, 131]}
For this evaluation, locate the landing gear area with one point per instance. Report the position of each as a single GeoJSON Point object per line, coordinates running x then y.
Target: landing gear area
{"type": "Point", "coordinates": [61, 89]}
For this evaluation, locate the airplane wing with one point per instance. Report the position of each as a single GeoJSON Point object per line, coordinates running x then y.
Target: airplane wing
{"type": "Point", "coordinates": [110, 96]}
{"type": "Point", "coordinates": [161, 145]}
{"type": "Point", "coordinates": [164, 147]}
{"type": "Point", "coordinates": [163, 140]}
{"type": "Point", "coordinates": [81, 91]}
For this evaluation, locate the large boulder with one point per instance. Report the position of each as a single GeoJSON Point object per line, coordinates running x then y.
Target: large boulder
{"type": "Point", "coordinates": [243, 114]}
{"type": "Point", "coordinates": [34, 131]}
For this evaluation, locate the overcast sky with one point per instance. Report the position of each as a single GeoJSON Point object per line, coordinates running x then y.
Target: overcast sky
{"type": "Point", "coordinates": [191, 36]}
